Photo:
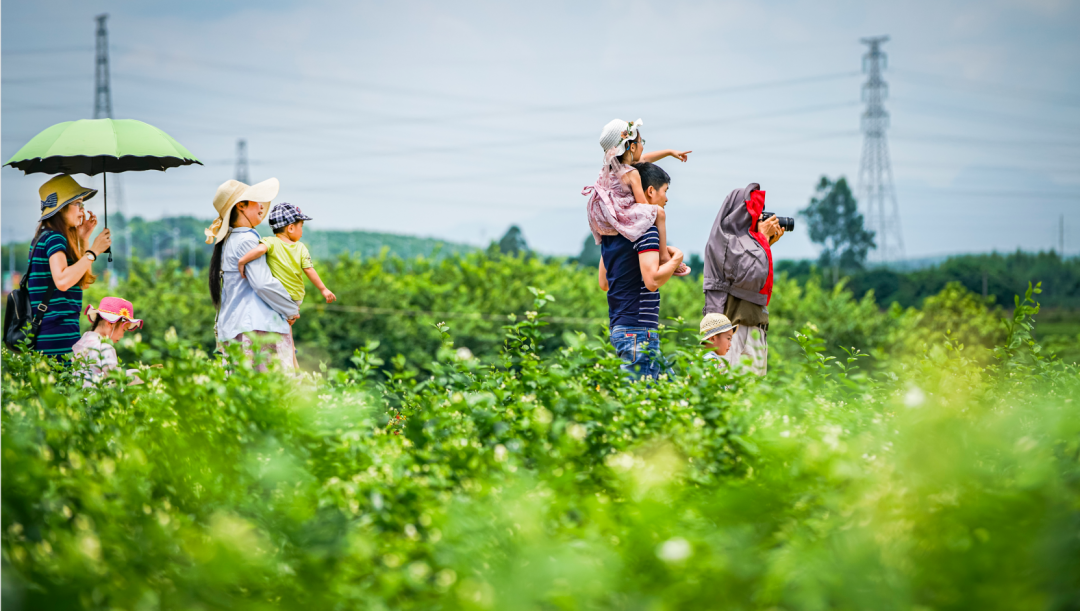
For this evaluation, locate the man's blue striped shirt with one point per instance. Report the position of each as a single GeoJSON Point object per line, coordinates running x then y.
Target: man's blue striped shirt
{"type": "Point", "coordinates": [629, 302]}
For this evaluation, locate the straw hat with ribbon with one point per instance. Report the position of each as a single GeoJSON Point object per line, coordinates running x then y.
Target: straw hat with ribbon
{"type": "Point", "coordinates": [714, 324]}
{"type": "Point", "coordinates": [232, 192]}
{"type": "Point", "coordinates": [60, 191]}
{"type": "Point", "coordinates": [113, 309]}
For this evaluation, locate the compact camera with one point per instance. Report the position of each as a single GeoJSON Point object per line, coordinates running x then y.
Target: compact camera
{"type": "Point", "coordinates": [786, 222]}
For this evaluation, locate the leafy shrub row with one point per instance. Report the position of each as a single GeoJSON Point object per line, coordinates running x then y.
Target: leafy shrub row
{"type": "Point", "coordinates": [398, 303]}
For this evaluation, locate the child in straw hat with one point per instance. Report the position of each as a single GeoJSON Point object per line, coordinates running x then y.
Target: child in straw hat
{"type": "Point", "coordinates": [94, 350]}
{"type": "Point", "coordinates": [716, 333]}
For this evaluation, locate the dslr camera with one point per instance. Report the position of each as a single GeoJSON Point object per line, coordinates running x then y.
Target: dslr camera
{"type": "Point", "coordinates": [786, 222]}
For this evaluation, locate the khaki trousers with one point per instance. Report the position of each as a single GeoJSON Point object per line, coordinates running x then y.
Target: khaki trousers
{"type": "Point", "coordinates": [749, 346]}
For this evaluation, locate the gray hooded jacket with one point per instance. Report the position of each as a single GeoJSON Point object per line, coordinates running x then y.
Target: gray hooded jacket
{"type": "Point", "coordinates": [735, 262]}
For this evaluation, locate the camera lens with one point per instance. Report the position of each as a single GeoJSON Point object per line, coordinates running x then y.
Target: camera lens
{"type": "Point", "coordinates": [786, 222]}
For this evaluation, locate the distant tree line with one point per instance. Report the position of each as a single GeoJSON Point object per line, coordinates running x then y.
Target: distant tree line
{"type": "Point", "coordinates": [181, 239]}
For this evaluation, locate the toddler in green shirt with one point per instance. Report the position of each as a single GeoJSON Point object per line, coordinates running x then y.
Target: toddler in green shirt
{"type": "Point", "coordinates": [286, 255]}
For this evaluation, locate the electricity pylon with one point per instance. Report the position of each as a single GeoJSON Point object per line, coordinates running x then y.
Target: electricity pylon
{"type": "Point", "coordinates": [242, 162]}
{"type": "Point", "coordinates": [875, 172]}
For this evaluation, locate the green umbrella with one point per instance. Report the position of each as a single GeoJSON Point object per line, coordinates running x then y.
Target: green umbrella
{"type": "Point", "coordinates": [94, 146]}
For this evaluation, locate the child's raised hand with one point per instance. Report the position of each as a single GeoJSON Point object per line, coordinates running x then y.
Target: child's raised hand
{"type": "Point", "coordinates": [242, 265]}
{"type": "Point", "coordinates": [330, 297]}
{"type": "Point", "coordinates": [680, 155]}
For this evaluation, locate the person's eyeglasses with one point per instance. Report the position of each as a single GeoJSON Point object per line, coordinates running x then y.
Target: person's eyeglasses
{"type": "Point", "coordinates": [81, 205]}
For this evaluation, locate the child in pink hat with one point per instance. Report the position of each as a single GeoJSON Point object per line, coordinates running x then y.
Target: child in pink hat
{"type": "Point", "coordinates": [94, 350]}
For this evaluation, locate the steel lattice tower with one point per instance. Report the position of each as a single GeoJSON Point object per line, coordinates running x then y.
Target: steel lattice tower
{"type": "Point", "coordinates": [102, 95]}
{"type": "Point", "coordinates": [875, 172]}
{"type": "Point", "coordinates": [242, 162]}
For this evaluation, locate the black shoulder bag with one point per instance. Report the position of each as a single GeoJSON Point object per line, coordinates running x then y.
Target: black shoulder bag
{"type": "Point", "coordinates": [21, 322]}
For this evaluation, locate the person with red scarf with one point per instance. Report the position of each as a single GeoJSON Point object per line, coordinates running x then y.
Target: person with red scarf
{"type": "Point", "coordinates": [738, 276]}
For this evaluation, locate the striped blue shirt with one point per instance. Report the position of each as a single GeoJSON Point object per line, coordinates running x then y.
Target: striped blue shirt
{"type": "Point", "coordinates": [60, 325]}
{"type": "Point", "coordinates": [629, 302]}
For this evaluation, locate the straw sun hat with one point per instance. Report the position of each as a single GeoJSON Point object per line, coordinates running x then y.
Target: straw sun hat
{"type": "Point", "coordinates": [60, 191]}
{"type": "Point", "coordinates": [617, 133]}
{"type": "Point", "coordinates": [714, 324]}
{"type": "Point", "coordinates": [232, 192]}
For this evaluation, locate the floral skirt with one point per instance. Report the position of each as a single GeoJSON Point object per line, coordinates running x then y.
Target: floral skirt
{"type": "Point", "coordinates": [281, 349]}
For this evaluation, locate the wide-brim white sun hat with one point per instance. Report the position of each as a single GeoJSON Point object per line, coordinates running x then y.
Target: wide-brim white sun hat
{"type": "Point", "coordinates": [616, 134]}
{"type": "Point", "coordinates": [232, 192]}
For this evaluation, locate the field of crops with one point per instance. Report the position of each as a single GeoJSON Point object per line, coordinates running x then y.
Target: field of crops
{"type": "Point", "coordinates": [934, 465]}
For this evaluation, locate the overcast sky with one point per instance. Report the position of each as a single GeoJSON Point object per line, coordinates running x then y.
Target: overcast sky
{"type": "Point", "coordinates": [457, 120]}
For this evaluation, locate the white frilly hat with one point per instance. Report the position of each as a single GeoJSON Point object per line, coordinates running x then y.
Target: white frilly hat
{"type": "Point", "coordinates": [616, 134]}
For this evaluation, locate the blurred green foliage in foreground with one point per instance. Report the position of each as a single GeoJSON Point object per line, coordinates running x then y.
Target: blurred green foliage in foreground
{"type": "Point", "coordinates": [942, 477]}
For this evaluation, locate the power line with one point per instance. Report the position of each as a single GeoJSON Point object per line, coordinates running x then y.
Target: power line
{"type": "Point", "coordinates": [576, 137]}
{"type": "Point", "coordinates": [920, 107]}
{"type": "Point", "coordinates": [963, 84]}
{"type": "Point", "coordinates": [962, 139]}
{"type": "Point", "coordinates": [52, 79]}
{"type": "Point", "coordinates": [49, 51]}
{"type": "Point", "coordinates": [486, 101]}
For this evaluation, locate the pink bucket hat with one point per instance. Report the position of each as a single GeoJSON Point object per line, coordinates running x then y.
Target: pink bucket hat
{"type": "Point", "coordinates": [113, 309]}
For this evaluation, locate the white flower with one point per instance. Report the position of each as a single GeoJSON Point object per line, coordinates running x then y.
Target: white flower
{"type": "Point", "coordinates": [576, 431]}
{"type": "Point", "coordinates": [500, 452]}
{"type": "Point", "coordinates": [621, 461]}
{"type": "Point", "coordinates": [675, 549]}
{"type": "Point", "coordinates": [915, 397]}
{"type": "Point", "coordinates": [463, 354]}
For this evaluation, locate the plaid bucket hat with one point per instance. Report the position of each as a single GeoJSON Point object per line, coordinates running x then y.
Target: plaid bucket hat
{"type": "Point", "coordinates": [284, 214]}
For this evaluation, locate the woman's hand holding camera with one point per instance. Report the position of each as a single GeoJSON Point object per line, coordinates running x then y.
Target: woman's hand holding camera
{"type": "Point", "coordinates": [772, 229]}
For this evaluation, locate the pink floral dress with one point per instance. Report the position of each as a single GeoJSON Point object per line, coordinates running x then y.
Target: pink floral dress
{"type": "Point", "coordinates": [611, 207]}
{"type": "Point", "coordinates": [96, 358]}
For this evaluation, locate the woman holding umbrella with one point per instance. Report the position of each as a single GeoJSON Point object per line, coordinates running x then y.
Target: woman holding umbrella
{"type": "Point", "coordinates": [255, 303]}
{"type": "Point", "coordinates": [60, 261]}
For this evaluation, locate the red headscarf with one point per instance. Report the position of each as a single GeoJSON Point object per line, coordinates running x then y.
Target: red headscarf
{"type": "Point", "coordinates": [755, 205]}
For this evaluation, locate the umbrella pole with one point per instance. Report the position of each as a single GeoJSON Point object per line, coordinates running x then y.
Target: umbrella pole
{"type": "Point", "coordinates": [105, 194]}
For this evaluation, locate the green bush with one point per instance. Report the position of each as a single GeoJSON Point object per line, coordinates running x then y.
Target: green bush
{"type": "Point", "coordinates": [399, 302]}
{"type": "Point", "coordinates": [541, 478]}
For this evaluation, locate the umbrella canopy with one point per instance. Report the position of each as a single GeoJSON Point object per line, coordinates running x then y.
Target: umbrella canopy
{"type": "Point", "coordinates": [93, 146]}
